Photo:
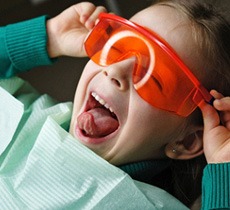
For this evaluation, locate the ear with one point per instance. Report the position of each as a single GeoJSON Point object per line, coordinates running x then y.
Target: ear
{"type": "Point", "coordinates": [189, 147]}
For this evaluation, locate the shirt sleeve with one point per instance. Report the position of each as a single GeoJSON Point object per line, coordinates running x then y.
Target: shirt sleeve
{"type": "Point", "coordinates": [216, 186]}
{"type": "Point", "coordinates": [23, 46]}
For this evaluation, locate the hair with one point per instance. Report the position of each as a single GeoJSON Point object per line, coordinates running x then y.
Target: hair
{"type": "Point", "coordinates": [211, 31]}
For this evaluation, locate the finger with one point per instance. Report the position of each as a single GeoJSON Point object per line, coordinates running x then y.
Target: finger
{"type": "Point", "coordinates": [222, 104]}
{"type": "Point", "coordinates": [91, 21]}
{"type": "Point", "coordinates": [85, 9]}
{"type": "Point", "coordinates": [225, 118]}
{"type": "Point", "coordinates": [216, 94]}
{"type": "Point", "coordinates": [210, 116]}
{"type": "Point", "coordinates": [227, 125]}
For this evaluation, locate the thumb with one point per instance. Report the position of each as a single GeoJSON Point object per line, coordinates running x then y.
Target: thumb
{"type": "Point", "coordinates": [210, 116]}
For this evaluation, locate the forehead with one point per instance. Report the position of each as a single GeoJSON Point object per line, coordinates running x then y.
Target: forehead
{"type": "Point", "coordinates": [166, 22]}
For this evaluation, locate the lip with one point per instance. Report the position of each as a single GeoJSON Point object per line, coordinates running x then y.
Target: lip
{"type": "Point", "coordinates": [89, 140]}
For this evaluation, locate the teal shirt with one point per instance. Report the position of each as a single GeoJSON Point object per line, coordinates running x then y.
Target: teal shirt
{"type": "Point", "coordinates": [216, 186]}
{"type": "Point", "coordinates": [23, 46]}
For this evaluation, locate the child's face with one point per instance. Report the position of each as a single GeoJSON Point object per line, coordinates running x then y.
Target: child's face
{"type": "Point", "coordinates": [136, 130]}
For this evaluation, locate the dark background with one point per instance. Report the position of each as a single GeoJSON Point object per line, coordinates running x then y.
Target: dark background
{"type": "Point", "coordinates": [60, 80]}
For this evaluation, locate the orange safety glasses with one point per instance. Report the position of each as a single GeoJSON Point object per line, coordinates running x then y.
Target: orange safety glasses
{"type": "Point", "coordinates": [160, 77]}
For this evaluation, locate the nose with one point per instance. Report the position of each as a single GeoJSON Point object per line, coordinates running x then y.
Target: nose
{"type": "Point", "coordinates": [120, 73]}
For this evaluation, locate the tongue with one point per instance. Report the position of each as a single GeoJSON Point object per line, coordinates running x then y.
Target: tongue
{"type": "Point", "coordinates": [97, 122]}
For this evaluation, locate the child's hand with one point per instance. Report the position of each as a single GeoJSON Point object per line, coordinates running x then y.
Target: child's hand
{"type": "Point", "coordinates": [217, 129]}
{"type": "Point", "coordinates": [68, 30]}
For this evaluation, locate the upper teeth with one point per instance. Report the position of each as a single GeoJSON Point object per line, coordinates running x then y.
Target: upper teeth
{"type": "Point", "coordinates": [101, 101]}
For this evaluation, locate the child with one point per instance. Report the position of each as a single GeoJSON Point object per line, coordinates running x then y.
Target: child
{"type": "Point", "coordinates": [115, 113]}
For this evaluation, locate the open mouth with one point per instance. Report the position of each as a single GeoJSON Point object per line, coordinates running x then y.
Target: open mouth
{"type": "Point", "coordinates": [99, 119]}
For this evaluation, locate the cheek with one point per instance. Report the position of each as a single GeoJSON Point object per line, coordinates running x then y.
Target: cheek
{"type": "Point", "coordinates": [153, 124]}
{"type": "Point", "coordinates": [144, 135]}
{"type": "Point", "coordinates": [90, 70]}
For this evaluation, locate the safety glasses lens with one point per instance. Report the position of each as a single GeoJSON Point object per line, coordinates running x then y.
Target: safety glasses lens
{"type": "Point", "coordinates": [159, 77]}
